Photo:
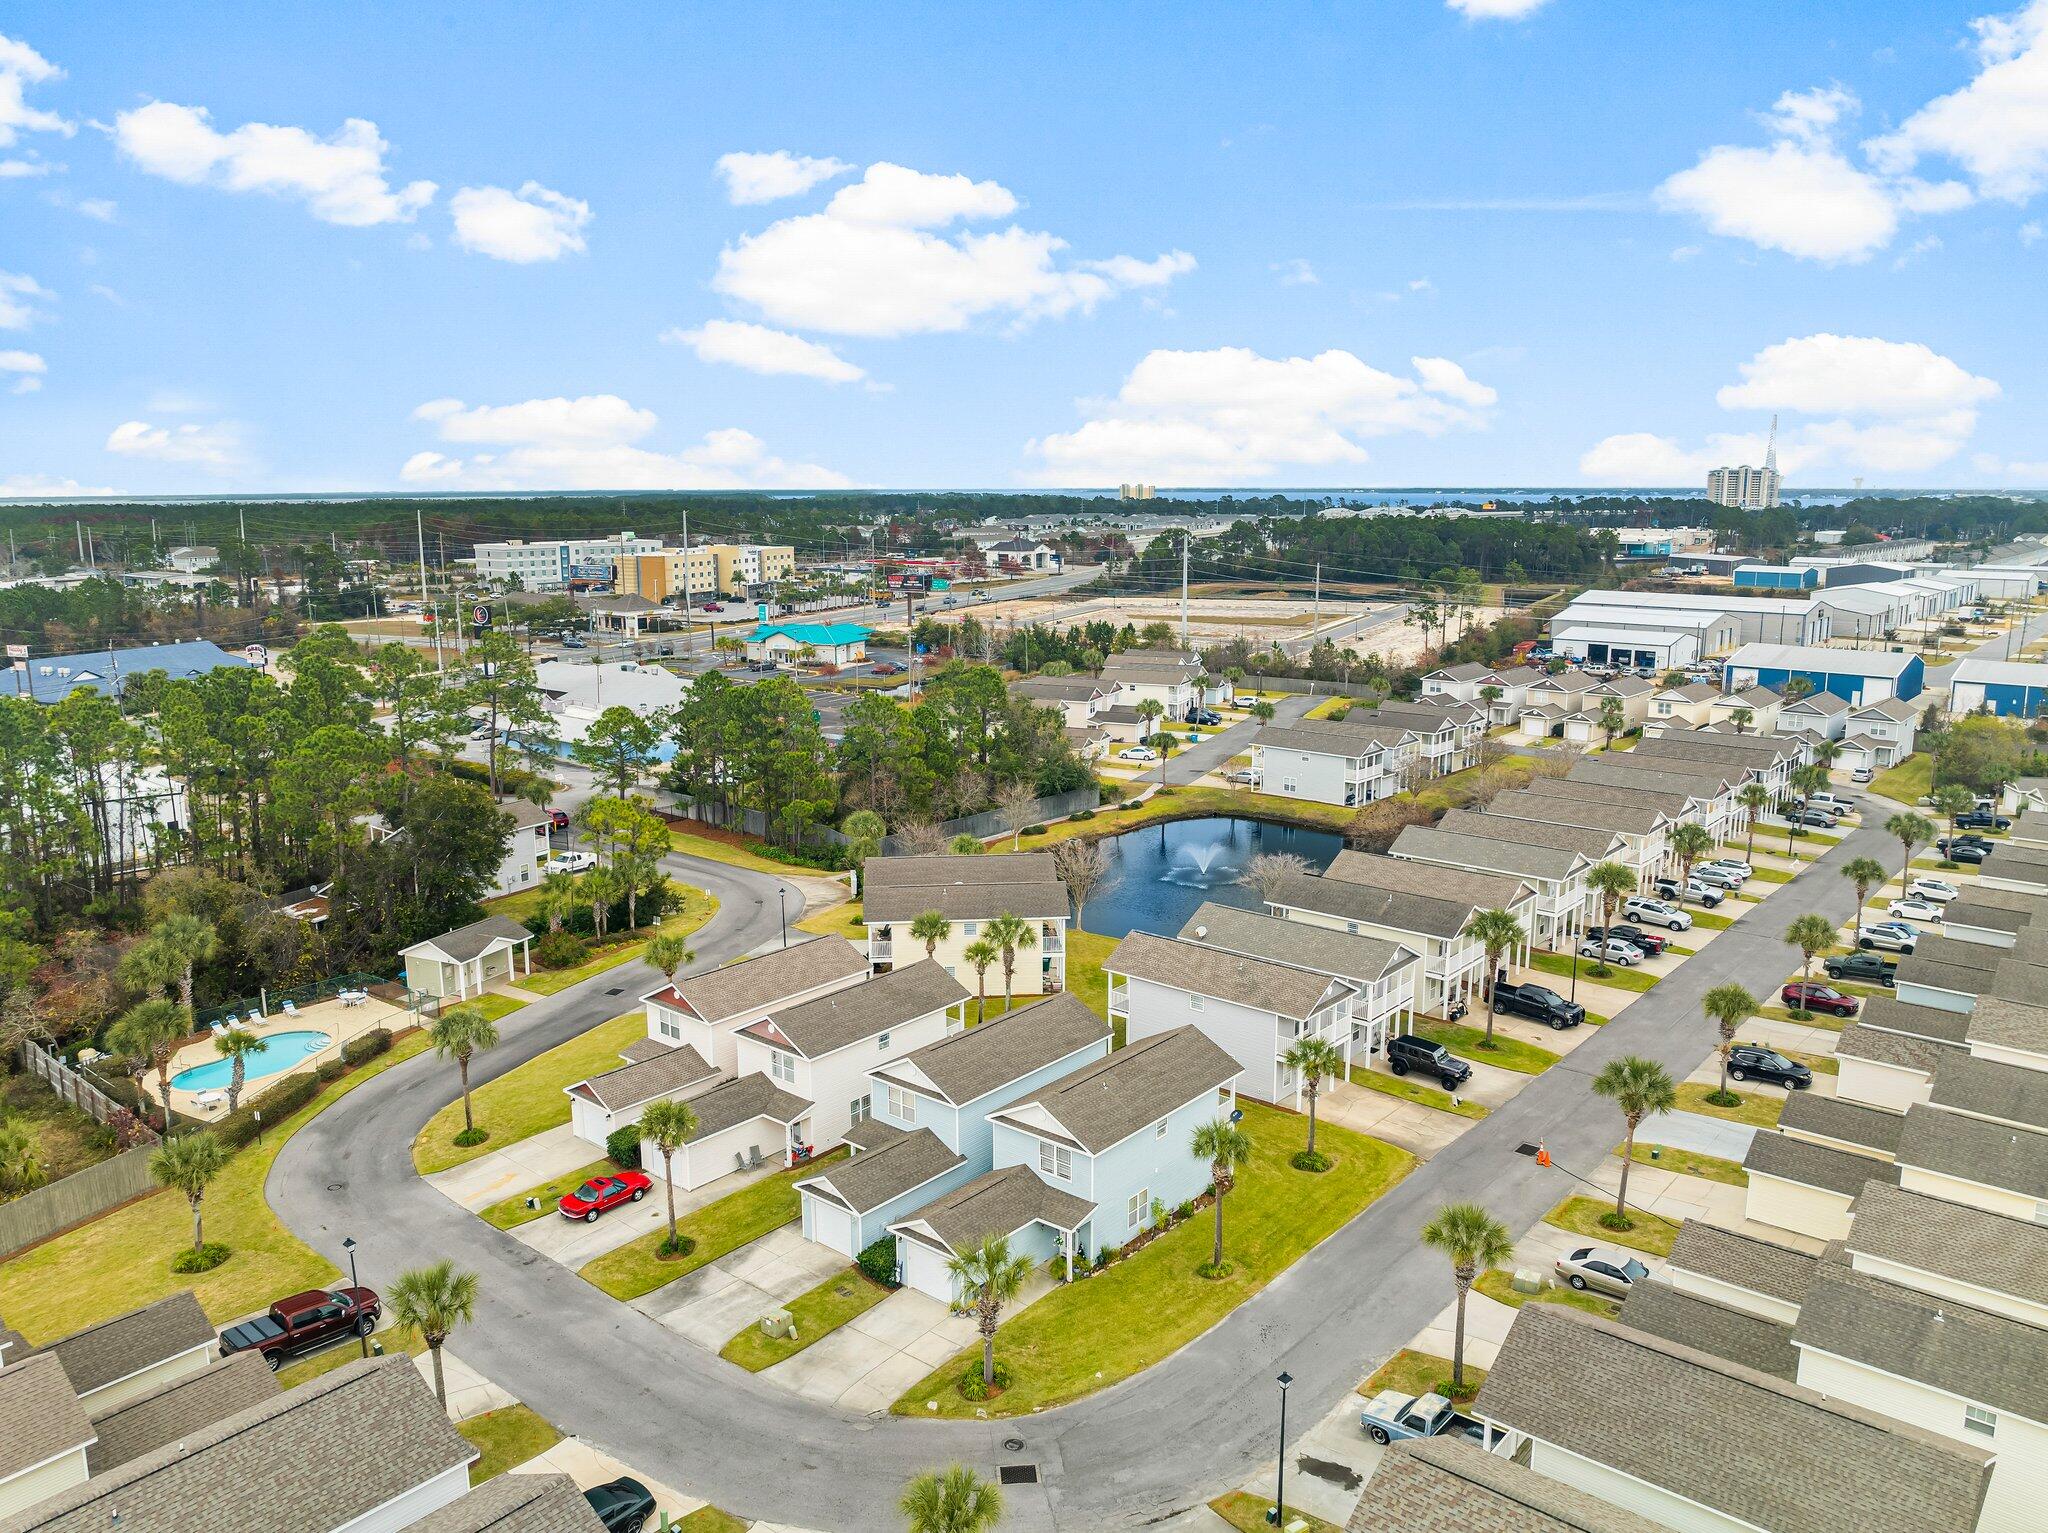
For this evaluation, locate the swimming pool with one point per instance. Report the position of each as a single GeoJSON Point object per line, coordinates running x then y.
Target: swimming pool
{"type": "Point", "coordinates": [280, 1052]}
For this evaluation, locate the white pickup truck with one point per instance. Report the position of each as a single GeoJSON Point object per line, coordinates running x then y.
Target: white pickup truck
{"type": "Point", "coordinates": [1392, 1416]}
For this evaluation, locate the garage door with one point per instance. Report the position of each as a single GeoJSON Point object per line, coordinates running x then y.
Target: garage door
{"type": "Point", "coordinates": [925, 1270]}
{"type": "Point", "coordinates": [832, 1226]}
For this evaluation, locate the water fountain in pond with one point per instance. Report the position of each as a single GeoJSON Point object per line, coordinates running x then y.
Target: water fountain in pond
{"type": "Point", "coordinates": [1201, 870]}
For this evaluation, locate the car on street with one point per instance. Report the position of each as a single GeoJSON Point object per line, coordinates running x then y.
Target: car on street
{"type": "Point", "coordinates": [1656, 913]}
{"type": "Point", "coordinates": [1205, 716]}
{"type": "Point", "coordinates": [1391, 1416]}
{"type": "Point", "coordinates": [1611, 950]}
{"type": "Point", "coordinates": [301, 1322]}
{"type": "Point", "coordinates": [981, 596]}
{"type": "Point", "coordinates": [1833, 803]}
{"type": "Point", "coordinates": [1412, 1052]}
{"type": "Point", "coordinates": [887, 668]}
{"type": "Point", "coordinates": [623, 1505]}
{"type": "Point", "coordinates": [572, 862]}
{"type": "Point", "coordinates": [1601, 1270]}
{"type": "Point", "coordinates": [1939, 890]}
{"type": "Point", "coordinates": [1705, 893]}
{"type": "Point", "coordinates": [1138, 753]}
{"type": "Point", "coordinates": [1817, 819]}
{"type": "Point", "coordinates": [1914, 909]}
{"type": "Point", "coordinates": [483, 730]}
{"type": "Point", "coordinates": [1810, 995]}
{"type": "Point", "coordinates": [1983, 819]}
{"type": "Point", "coordinates": [574, 641]}
{"type": "Point", "coordinates": [1888, 936]}
{"type": "Point", "coordinates": [1863, 967]}
{"type": "Point", "coordinates": [603, 1192]}
{"type": "Point", "coordinates": [1754, 1062]}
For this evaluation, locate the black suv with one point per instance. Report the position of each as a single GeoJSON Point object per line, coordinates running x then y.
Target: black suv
{"type": "Point", "coordinates": [1754, 1062]}
{"type": "Point", "coordinates": [1410, 1052]}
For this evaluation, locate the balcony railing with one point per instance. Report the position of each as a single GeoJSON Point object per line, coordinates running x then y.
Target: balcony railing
{"type": "Point", "coordinates": [1119, 997]}
{"type": "Point", "coordinates": [881, 950]}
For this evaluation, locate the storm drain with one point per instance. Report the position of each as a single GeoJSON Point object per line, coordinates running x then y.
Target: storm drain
{"type": "Point", "coordinates": [1018, 1474]}
{"type": "Point", "coordinates": [616, 990]}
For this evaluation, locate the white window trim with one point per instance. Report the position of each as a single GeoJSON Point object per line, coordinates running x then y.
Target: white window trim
{"type": "Point", "coordinates": [1055, 1160]}
{"type": "Point", "coordinates": [903, 1104]}
{"type": "Point", "coordinates": [782, 1067]}
{"type": "Point", "coordinates": [1138, 1208]}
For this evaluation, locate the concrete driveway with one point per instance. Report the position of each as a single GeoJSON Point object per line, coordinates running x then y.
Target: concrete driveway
{"type": "Point", "coordinates": [722, 1298]}
{"type": "Point", "coordinates": [525, 1163]}
{"type": "Point", "coordinates": [572, 1243]}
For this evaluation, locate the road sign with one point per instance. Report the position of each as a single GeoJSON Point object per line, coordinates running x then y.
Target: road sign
{"type": "Point", "coordinates": [17, 652]}
{"type": "Point", "coordinates": [480, 615]}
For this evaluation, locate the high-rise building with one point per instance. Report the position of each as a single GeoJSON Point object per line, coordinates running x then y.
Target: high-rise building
{"type": "Point", "coordinates": [1746, 488]}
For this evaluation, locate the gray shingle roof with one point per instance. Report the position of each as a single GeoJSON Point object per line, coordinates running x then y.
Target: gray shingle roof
{"type": "Point", "coordinates": [739, 1101]}
{"type": "Point", "coordinates": [1360, 958]}
{"type": "Point", "coordinates": [1469, 851]}
{"type": "Point", "coordinates": [1624, 772]}
{"type": "Point", "coordinates": [1955, 953]}
{"type": "Point", "coordinates": [969, 1065]}
{"type": "Point", "coordinates": [643, 1049]}
{"type": "Point", "coordinates": [1378, 907]}
{"type": "Point", "coordinates": [630, 1085]}
{"type": "Point", "coordinates": [963, 888]}
{"type": "Point", "coordinates": [756, 984]}
{"type": "Point", "coordinates": [40, 1416]}
{"type": "Point", "coordinates": [1826, 704]}
{"type": "Point", "coordinates": [516, 1503]}
{"type": "Point", "coordinates": [1247, 981]}
{"type": "Point", "coordinates": [114, 1349]}
{"type": "Point", "coordinates": [1971, 1245]}
{"type": "Point", "coordinates": [1975, 1149]}
{"type": "Point", "coordinates": [1324, 738]}
{"type": "Point", "coordinates": [1470, 670]}
{"type": "Point", "coordinates": [1860, 1041]}
{"type": "Point", "coordinates": [1898, 709]}
{"type": "Point", "coordinates": [2020, 864]}
{"type": "Point", "coordinates": [1999, 1023]}
{"type": "Point", "coordinates": [1629, 819]}
{"type": "Point", "coordinates": [2004, 899]}
{"type": "Point", "coordinates": [1583, 792]}
{"type": "Point", "coordinates": [873, 1177]}
{"type": "Point", "coordinates": [1814, 1165]}
{"type": "Point", "coordinates": [1582, 1383]}
{"type": "Point", "coordinates": [176, 1410]}
{"type": "Point", "coordinates": [1969, 911]}
{"type": "Point", "coordinates": [1060, 689]}
{"type": "Point", "coordinates": [861, 1011]}
{"type": "Point", "coordinates": [1445, 1485]}
{"type": "Point", "coordinates": [1896, 1016]}
{"type": "Point", "coordinates": [1839, 1119]}
{"type": "Point", "coordinates": [466, 942]}
{"type": "Point", "coordinates": [1112, 1098]}
{"type": "Point", "coordinates": [1594, 844]}
{"type": "Point", "coordinates": [1719, 748]}
{"type": "Point", "coordinates": [1991, 1089]}
{"type": "Point", "coordinates": [1691, 1321]}
{"type": "Point", "coordinates": [1742, 1261]}
{"type": "Point", "coordinates": [2030, 945]}
{"type": "Point", "coordinates": [354, 1439]}
{"type": "Point", "coordinates": [1477, 890]}
{"type": "Point", "coordinates": [1959, 979]}
{"type": "Point", "coordinates": [997, 1203]}
{"type": "Point", "coordinates": [2015, 981]}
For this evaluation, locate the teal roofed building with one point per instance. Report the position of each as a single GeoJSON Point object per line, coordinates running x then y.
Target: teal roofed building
{"type": "Point", "coordinates": [828, 643]}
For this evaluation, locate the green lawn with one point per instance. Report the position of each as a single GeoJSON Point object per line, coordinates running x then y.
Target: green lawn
{"type": "Point", "coordinates": [1092, 1333]}
{"type": "Point", "coordinates": [495, 1005]}
{"type": "Point", "coordinates": [1706, 920]}
{"type": "Point", "coordinates": [123, 1258]}
{"type": "Point", "coordinates": [709, 1519]}
{"type": "Point", "coordinates": [1771, 875]}
{"type": "Point", "coordinates": [393, 1341]}
{"type": "Point", "coordinates": [506, 1437]}
{"type": "Point", "coordinates": [1758, 1109]}
{"type": "Point", "coordinates": [1413, 1091]}
{"type": "Point", "coordinates": [526, 1100]}
{"type": "Point", "coordinates": [1416, 1373]}
{"type": "Point", "coordinates": [637, 1267]}
{"type": "Point", "coordinates": [1909, 781]}
{"type": "Point", "coordinates": [1247, 1511]}
{"type": "Point", "coordinates": [1086, 954]}
{"type": "Point", "coordinates": [841, 920]}
{"type": "Point", "coordinates": [1691, 1163]}
{"type": "Point", "coordinates": [733, 850]}
{"type": "Point", "coordinates": [1499, 1286]}
{"type": "Point", "coordinates": [817, 1314]}
{"type": "Point", "coordinates": [64, 1139]}
{"type": "Point", "coordinates": [697, 908]}
{"type": "Point", "coordinates": [1470, 1043]}
{"type": "Point", "coordinates": [1559, 966]}
{"type": "Point", "coordinates": [1581, 1216]}
{"type": "Point", "coordinates": [1819, 1064]}
{"type": "Point", "coordinates": [509, 1213]}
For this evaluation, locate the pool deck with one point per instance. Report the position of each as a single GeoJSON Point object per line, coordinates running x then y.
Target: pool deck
{"type": "Point", "coordinates": [340, 1023]}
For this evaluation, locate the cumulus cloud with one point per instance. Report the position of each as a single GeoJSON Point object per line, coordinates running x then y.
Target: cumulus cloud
{"type": "Point", "coordinates": [876, 262]}
{"type": "Point", "coordinates": [20, 67]}
{"type": "Point", "coordinates": [1797, 196]}
{"type": "Point", "coordinates": [758, 349]}
{"type": "Point", "coordinates": [1886, 406]}
{"type": "Point", "coordinates": [752, 178]}
{"type": "Point", "coordinates": [1296, 272]}
{"type": "Point", "coordinates": [342, 178]}
{"type": "Point", "coordinates": [1996, 127]}
{"type": "Point", "coordinates": [1231, 415]}
{"type": "Point", "coordinates": [591, 443]}
{"type": "Point", "coordinates": [531, 224]}
{"type": "Point", "coordinates": [47, 486]}
{"type": "Point", "coordinates": [1496, 10]}
{"type": "Point", "coordinates": [21, 300]}
{"type": "Point", "coordinates": [215, 446]}
{"type": "Point", "coordinates": [26, 369]}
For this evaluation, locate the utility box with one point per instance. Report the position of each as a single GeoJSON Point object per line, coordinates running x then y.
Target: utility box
{"type": "Point", "coordinates": [1527, 1280]}
{"type": "Point", "coordinates": [778, 1322]}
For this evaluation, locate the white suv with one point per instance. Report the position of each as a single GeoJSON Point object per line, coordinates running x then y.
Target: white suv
{"type": "Point", "coordinates": [1656, 913]}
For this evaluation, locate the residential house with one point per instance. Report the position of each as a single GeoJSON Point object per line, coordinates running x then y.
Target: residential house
{"type": "Point", "coordinates": [1558, 875]}
{"type": "Point", "coordinates": [45, 1434]}
{"type": "Point", "coordinates": [52, 678]}
{"type": "Point", "coordinates": [2019, 869]}
{"type": "Point", "coordinates": [192, 559]}
{"type": "Point", "coordinates": [1333, 763]}
{"type": "Point", "coordinates": [1748, 710]}
{"type": "Point", "coordinates": [1887, 730]}
{"type": "Point", "coordinates": [525, 860]}
{"type": "Point", "coordinates": [1566, 690]}
{"type": "Point", "coordinates": [1513, 683]}
{"type": "Point", "coordinates": [1804, 1185]}
{"type": "Point", "coordinates": [1989, 924]}
{"type": "Point", "coordinates": [705, 1011]}
{"type": "Point", "coordinates": [1022, 555]}
{"type": "Point", "coordinates": [1824, 715]}
{"type": "Point", "coordinates": [1596, 845]}
{"type": "Point", "coordinates": [602, 1104]}
{"type": "Point", "coordinates": [516, 1503]}
{"type": "Point", "coordinates": [1446, 1482]}
{"type": "Point", "coordinates": [847, 1206]}
{"type": "Point", "coordinates": [1739, 1271]}
{"type": "Point", "coordinates": [2011, 1032]}
{"type": "Point", "coordinates": [1627, 804]}
{"type": "Point", "coordinates": [1252, 1008]}
{"type": "Point", "coordinates": [1887, 1056]}
{"type": "Point", "coordinates": [1984, 1162]}
{"type": "Point", "coordinates": [131, 1354]}
{"type": "Point", "coordinates": [742, 1124]}
{"type": "Point", "coordinates": [1711, 791]}
{"type": "Point", "coordinates": [1078, 698]}
{"type": "Point", "coordinates": [1632, 692]}
{"type": "Point", "coordinates": [1035, 1218]}
{"type": "Point", "coordinates": [1946, 974]}
{"type": "Point", "coordinates": [1644, 832]}
{"type": "Point", "coordinates": [1665, 1311]}
{"type": "Point", "coordinates": [470, 959]}
{"type": "Point", "coordinates": [1090, 743]}
{"type": "Point", "coordinates": [1687, 705]}
{"type": "Point", "coordinates": [1459, 682]}
{"type": "Point", "coordinates": [969, 892]}
{"type": "Point", "coordinates": [1167, 677]}
{"type": "Point", "coordinates": [1447, 732]}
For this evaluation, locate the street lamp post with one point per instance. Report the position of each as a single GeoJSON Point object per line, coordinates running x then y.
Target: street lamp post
{"type": "Point", "coordinates": [782, 898]}
{"type": "Point", "coordinates": [1280, 1495]}
{"type": "Point", "coordinates": [348, 1244]}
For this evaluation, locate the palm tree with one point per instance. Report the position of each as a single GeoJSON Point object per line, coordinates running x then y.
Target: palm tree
{"type": "Point", "coordinates": [1689, 843]}
{"type": "Point", "coordinates": [1742, 718]}
{"type": "Point", "coordinates": [989, 1277]}
{"type": "Point", "coordinates": [460, 1033]}
{"type": "Point", "coordinates": [1498, 932]}
{"type": "Point", "coordinates": [981, 953]}
{"type": "Point", "coordinates": [1008, 933]}
{"type": "Point", "coordinates": [951, 1500]}
{"type": "Point", "coordinates": [1641, 1088]}
{"type": "Point", "coordinates": [931, 928]}
{"type": "Point", "coordinates": [434, 1300]}
{"type": "Point", "coordinates": [1149, 711]}
{"type": "Point", "coordinates": [1263, 711]}
{"type": "Point", "coordinates": [21, 1166]}
{"type": "Point", "coordinates": [556, 898]}
{"type": "Point", "coordinates": [191, 941]}
{"type": "Point", "coordinates": [153, 1030]}
{"type": "Point", "coordinates": [1754, 798]}
{"type": "Point", "coordinates": [237, 1044]}
{"type": "Point", "coordinates": [1805, 781]}
{"type": "Point", "coordinates": [188, 1164]}
{"type": "Point", "coordinates": [1727, 1007]}
{"type": "Point", "coordinates": [1813, 935]}
{"type": "Point", "coordinates": [671, 1125]}
{"type": "Point", "coordinates": [1225, 1147]}
{"type": "Point", "coordinates": [1613, 883]}
{"type": "Point", "coordinates": [1474, 1241]}
{"type": "Point", "coordinates": [1951, 801]}
{"type": "Point", "coordinates": [670, 954]}
{"type": "Point", "coordinates": [1315, 1060]}
{"type": "Point", "coordinates": [1613, 719]}
{"type": "Point", "coordinates": [1826, 751]}
{"type": "Point", "coordinates": [1912, 830]}
{"type": "Point", "coordinates": [1866, 873]}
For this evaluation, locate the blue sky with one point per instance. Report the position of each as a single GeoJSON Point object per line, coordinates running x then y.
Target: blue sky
{"type": "Point", "coordinates": [250, 247]}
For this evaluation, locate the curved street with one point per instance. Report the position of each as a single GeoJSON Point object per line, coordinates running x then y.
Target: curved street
{"type": "Point", "coordinates": [1194, 1425]}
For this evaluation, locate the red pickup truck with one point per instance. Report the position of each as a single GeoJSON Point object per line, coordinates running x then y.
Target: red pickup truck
{"type": "Point", "coordinates": [304, 1321]}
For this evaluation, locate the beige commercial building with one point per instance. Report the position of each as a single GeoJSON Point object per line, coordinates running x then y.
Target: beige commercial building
{"type": "Point", "coordinates": [705, 569]}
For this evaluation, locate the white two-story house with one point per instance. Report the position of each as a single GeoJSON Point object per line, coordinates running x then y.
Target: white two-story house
{"type": "Point", "coordinates": [1447, 732]}
{"type": "Point", "coordinates": [1167, 677]}
{"type": "Point", "coordinates": [968, 893]}
{"type": "Point", "coordinates": [1881, 734]}
{"type": "Point", "coordinates": [1824, 715]}
{"type": "Point", "coordinates": [1079, 698]}
{"type": "Point", "coordinates": [1685, 707]}
{"type": "Point", "coordinates": [1644, 831]}
{"type": "Point", "coordinates": [1332, 763]}
{"type": "Point", "coordinates": [705, 1011]}
{"type": "Point", "coordinates": [1558, 875]}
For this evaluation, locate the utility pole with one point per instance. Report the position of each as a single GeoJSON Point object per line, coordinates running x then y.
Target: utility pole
{"type": "Point", "coordinates": [1185, 544]}
{"type": "Point", "coordinates": [1316, 620]}
{"type": "Point", "coordinates": [420, 530]}
{"type": "Point", "coordinates": [242, 521]}
{"type": "Point", "coordinates": [78, 530]}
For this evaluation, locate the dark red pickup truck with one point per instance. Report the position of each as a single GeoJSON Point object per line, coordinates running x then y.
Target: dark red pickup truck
{"type": "Point", "coordinates": [305, 1321]}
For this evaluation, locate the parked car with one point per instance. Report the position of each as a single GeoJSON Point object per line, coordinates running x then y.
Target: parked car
{"type": "Point", "coordinates": [603, 1192]}
{"type": "Point", "coordinates": [1890, 936]}
{"type": "Point", "coordinates": [558, 819]}
{"type": "Point", "coordinates": [1714, 876]}
{"type": "Point", "coordinates": [981, 596]}
{"type": "Point", "coordinates": [1865, 967]}
{"type": "Point", "coordinates": [1656, 913]}
{"type": "Point", "coordinates": [1983, 819]}
{"type": "Point", "coordinates": [303, 1321]}
{"type": "Point", "coordinates": [1705, 894]}
{"type": "Point", "coordinates": [712, 606]}
{"type": "Point", "coordinates": [623, 1505]}
{"type": "Point", "coordinates": [574, 641]}
{"type": "Point", "coordinates": [1391, 1416]}
{"type": "Point", "coordinates": [1205, 716]}
{"type": "Point", "coordinates": [483, 730]}
{"type": "Point", "coordinates": [1970, 853]}
{"type": "Point", "coordinates": [1634, 936]}
{"type": "Point", "coordinates": [1818, 819]}
{"type": "Point", "coordinates": [572, 861]}
{"type": "Point", "coordinates": [1861, 775]}
{"type": "Point", "coordinates": [1733, 865]}
{"type": "Point", "coordinates": [1539, 1003]}
{"type": "Point", "coordinates": [1138, 753]}
{"type": "Point", "coordinates": [1938, 890]}
{"type": "Point", "coordinates": [1914, 909]}
{"type": "Point", "coordinates": [888, 668]}
{"type": "Point", "coordinates": [1808, 995]}
{"type": "Point", "coordinates": [1754, 1062]}
{"type": "Point", "coordinates": [1601, 1270]}
{"type": "Point", "coordinates": [1611, 950]}
{"type": "Point", "coordinates": [1410, 1052]}
{"type": "Point", "coordinates": [1243, 775]}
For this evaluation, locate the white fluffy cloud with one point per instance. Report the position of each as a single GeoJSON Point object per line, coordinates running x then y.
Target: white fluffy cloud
{"type": "Point", "coordinates": [21, 300]}
{"type": "Point", "coordinates": [759, 349]}
{"type": "Point", "coordinates": [1995, 127]}
{"type": "Point", "coordinates": [1798, 196]}
{"type": "Point", "coordinates": [214, 446]}
{"type": "Point", "coordinates": [871, 264]}
{"type": "Point", "coordinates": [751, 178]}
{"type": "Point", "coordinates": [1231, 415]}
{"type": "Point", "coordinates": [1885, 406]}
{"type": "Point", "coordinates": [20, 67]}
{"type": "Point", "coordinates": [41, 486]}
{"type": "Point", "coordinates": [342, 178]}
{"type": "Point", "coordinates": [531, 224]}
{"type": "Point", "coordinates": [1496, 10]}
{"type": "Point", "coordinates": [590, 443]}
{"type": "Point", "coordinates": [26, 369]}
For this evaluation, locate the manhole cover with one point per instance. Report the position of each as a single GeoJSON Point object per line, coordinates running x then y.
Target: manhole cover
{"type": "Point", "coordinates": [1013, 1445]}
{"type": "Point", "coordinates": [336, 1186]}
{"type": "Point", "coordinates": [616, 990]}
{"type": "Point", "coordinates": [1018, 1474]}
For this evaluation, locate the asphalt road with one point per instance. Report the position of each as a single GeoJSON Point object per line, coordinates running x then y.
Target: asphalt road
{"type": "Point", "coordinates": [1191, 764]}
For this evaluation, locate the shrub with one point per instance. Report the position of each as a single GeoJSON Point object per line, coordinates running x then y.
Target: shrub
{"type": "Point", "coordinates": [1082, 814]}
{"type": "Point", "coordinates": [1215, 1271]}
{"type": "Point", "coordinates": [1310, 1160]}
{"type": "Point", "coordinates": [1185, 1210]}
{"type": "Point", "coordinates": [205, 1259]}
{"type": "Point", "coordinates": [1613, 1221]}
{"type": "Point", "coordinates": [287, 1097]}
{"type": "Point", "coordinates": [560, 950]}
{"type": "Point", "coordinates": [971, 1385]}
{"type": "Point", "coordinates": [472, 1136]}
{"type": "Point", "coordinates": [1032, 830]}
{"type": "Point", "coordinates": [328, 1071]}
{"type": "Point", "coordinates": [878, 1261]}
{"type": "Point", "coordinates": [675, 1247]}
{"type": "Point", "coordinates": [362, 1050]}
{"type": "Point", "coordinates": [1339, 713]}
{"type": "Point", "coordinates": [622, 1147]}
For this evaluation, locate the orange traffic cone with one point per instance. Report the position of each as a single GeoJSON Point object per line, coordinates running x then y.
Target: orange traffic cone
{"type": "Point", "coordinates": [1542, 1153]}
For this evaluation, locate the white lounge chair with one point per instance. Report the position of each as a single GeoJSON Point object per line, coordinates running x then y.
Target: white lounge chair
{"type": "Point", "coordinates": [217, 1028]}
{"type": "Point", "coordinates": [291, 1008]}
{"type": "Point", "coordinates": [255, 1016]}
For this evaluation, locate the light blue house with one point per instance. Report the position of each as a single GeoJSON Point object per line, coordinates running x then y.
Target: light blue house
{"type": "Point", "coordinates": [924, 1127]}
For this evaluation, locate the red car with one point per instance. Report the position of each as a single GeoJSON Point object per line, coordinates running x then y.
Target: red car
{"type": "Point", "coordinates": [558, 819]}
{"type": "Point", "coordinates": [603, 1192]}
{"type": "Point", "coordinates": [1824, 998]}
